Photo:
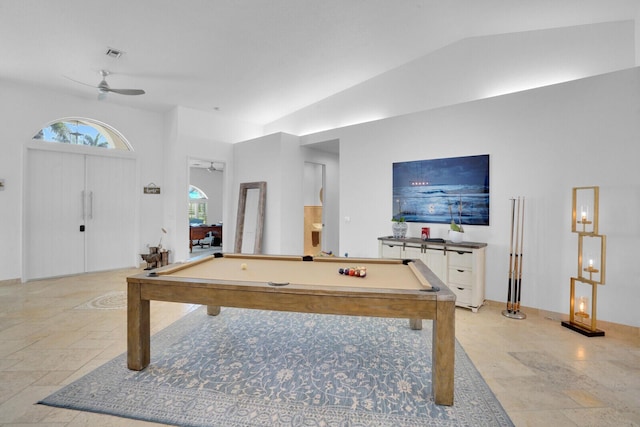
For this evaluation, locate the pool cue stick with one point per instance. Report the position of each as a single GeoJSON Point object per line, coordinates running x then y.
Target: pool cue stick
{"type": "Point", "coordinates": [516, 208]}
{"type": "Point", "coordinates": [516, 264]}
{"type": "Point", "coordinates": [511, 255]}
{"type": "Point", "coordinates": [521, 260]}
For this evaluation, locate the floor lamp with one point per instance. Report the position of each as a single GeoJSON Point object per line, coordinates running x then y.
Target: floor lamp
{"type": "Point", "coordinates": [591, 261]}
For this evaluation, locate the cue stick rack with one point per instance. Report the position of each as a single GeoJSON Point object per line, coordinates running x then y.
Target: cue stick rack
{"type": "Point", "coordinates": [591, 261]}
{"type": "Point", "coordinates": [514, 291]}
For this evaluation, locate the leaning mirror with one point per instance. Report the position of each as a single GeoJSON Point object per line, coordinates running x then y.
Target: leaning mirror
{"type": "Point", "coordinates": [250, 223]}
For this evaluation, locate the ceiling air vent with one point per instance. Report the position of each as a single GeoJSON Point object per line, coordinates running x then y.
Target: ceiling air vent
{"type": "Point", "coordinates": [113, 53]}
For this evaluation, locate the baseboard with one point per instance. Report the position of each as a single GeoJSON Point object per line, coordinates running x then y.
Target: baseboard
{"type": "Point", "coordinates": [10, 282]}
{"type": "Point", "coordinates": [610, 328]}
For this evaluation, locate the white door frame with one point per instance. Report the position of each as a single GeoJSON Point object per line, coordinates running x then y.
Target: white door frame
{"type": "Point", "coordinates": [81, 150]}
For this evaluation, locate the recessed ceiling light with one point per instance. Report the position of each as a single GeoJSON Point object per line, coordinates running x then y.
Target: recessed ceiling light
{"type": "Point", "coordinates": [113, 53]}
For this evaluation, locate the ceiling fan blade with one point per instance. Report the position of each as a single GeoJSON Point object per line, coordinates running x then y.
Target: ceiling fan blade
{"type": "Point", "coordinates": [77, 81]}
{"type": "Point", "coordinates": [212, 168]}
{"type": "Point", "coordinates": [104, 87]}
{"type": "Point", "coordinates": [126, 91]}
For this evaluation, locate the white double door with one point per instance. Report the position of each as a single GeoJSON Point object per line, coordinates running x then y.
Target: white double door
{"type": "Point", "coordinates": [80, 214]}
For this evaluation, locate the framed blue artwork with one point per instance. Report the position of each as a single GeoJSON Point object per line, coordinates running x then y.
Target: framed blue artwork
{"type": "Point", "coordinates": [439, 190]}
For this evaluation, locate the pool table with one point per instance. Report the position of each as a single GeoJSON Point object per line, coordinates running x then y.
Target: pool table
{"type": "Point", "coordinates": [390, 288]}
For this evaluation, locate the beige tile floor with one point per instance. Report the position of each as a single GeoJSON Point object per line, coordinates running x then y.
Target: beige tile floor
{"type": "Point", "coordinates": [542, 373]}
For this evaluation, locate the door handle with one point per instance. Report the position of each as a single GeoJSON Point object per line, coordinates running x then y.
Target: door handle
{"type": "Point", "coordinates": [82, 201]}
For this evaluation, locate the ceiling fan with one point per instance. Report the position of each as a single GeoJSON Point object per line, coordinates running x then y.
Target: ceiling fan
{"type": "Point", "coordinates": [104, 88]}
{"type": "Point", "coordinates": [212, 168]}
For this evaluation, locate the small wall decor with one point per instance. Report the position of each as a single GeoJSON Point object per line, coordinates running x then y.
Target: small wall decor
{"type": "Point", "coordinates": [151, 188]}
{"type": "Point", "coordinates": [591, 262]}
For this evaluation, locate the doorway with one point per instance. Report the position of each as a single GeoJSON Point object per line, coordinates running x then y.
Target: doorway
{"type": "Point", "coordinates": [206, 207]}
{"type": "Point", "coordinates": [79, 213]}
{"type": "Point", "coordinates": [314, 185]}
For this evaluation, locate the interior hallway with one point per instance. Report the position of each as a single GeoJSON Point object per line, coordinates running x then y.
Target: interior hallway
{"type": "Point", "coordinates": [54, 331]}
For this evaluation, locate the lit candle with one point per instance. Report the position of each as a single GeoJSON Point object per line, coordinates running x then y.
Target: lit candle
{"type": "Point", "coordinates": [590, 263]}
{"type": "Point", "coordinates": [585, 213]}
{"type": "Point", "coordinates": [583, 303]}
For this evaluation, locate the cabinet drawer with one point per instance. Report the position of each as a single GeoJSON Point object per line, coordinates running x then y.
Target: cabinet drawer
{"type": "Point", "coordinates": [464, 259]}
{"type": "Point", "coordinates": [387, 251]}
{"type": "Point", "coordinates": [459, 276]}
{"type": "Point", "coordinates": [463, 295]}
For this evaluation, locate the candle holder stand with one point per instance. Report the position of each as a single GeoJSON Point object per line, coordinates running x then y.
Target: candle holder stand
{"type": "Point", "coordinates": [592, 272]}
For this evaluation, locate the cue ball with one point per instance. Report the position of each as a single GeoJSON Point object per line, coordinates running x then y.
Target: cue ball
{"type": "Point", "coordinates": [243, 266]}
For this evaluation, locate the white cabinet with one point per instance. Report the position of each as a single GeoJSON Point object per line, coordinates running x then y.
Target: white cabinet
{"type": "Point", "coordinates": [436, 259]}
{"type": "Point", "coordinates": [466, 276]}
{"type": "Point", "coordinates": [461, 266]}
{"type": "Point", "coordinates": [390, 250]}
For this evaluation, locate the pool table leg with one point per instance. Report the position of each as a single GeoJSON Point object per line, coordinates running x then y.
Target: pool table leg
{"type": "Point", "coordinates": [138, 329]}
{"type": "Point", "coordinates": [213, 310]}
{"type": "Point", "coordinates": [443, 356]}
{"type": "Point", "coordinates": [415, 324]}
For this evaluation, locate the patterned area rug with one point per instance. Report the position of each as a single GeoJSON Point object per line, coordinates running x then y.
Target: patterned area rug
{"type": "Point", "coordinates": [116, 300]}
{"type": "Point", "coordinates": [263, 368]}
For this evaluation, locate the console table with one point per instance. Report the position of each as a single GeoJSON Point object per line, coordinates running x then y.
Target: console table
{"type": "Point", "coordinates": [461, 266]}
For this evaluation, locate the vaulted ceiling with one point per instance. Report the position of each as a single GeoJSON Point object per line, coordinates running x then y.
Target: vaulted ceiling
{"type": "Point", "coordinates": [252, 60]}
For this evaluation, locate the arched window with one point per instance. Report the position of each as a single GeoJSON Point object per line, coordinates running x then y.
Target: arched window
{"type": "Point", "coordinates": [196, 193]}
{"type": "Point", "coordinates": [82, 131]}
{"type": "Point", "coordinates": [197, 206]}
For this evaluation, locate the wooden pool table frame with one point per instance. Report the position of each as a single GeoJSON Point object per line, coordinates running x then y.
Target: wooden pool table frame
{"type": "Point", "coordinates": [411, 304]}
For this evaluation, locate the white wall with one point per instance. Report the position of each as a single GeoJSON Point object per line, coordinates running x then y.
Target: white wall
{"type": "Point", "coordinates": [471, 69]}
{"type": "Point", "coordinates": [313, 173]}
{"type": "Point", "coordinates": [542, 143]}
{"type": "Point", "coordinates": [24, 111]}
{"type": "Point", "coordinates": [279, 160]}
{"type": "Point", "coordinates": [203, 135]}
{"type": "Point", "coordinates": [276, 159]}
